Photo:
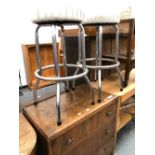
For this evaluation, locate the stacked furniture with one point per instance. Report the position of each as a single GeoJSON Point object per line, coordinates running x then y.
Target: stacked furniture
{"type": "Point", "coordinates": [48, 16]}
{"type": "Point", "coordinates": [126, 103]}
{"type": "Point", "coordinates": [85, 129]}
{"type": "Point", "coordinates": [126, 51]}
{"type": "Point", "coordinates": [82, 128]}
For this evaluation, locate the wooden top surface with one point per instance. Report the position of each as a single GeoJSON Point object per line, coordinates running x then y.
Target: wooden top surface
{"type": "Point", "coordinates": [75, 107]}
{"type": "Point", "coordinates": [91, 30]}
{"type": "Point", "coordinates": [27, 136]}
{"type": "Point", "coordinates": [112, 86]}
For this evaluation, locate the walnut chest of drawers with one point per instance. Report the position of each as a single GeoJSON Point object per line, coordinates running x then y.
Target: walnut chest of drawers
{"type": "Point", "coordinates": [86, 129]}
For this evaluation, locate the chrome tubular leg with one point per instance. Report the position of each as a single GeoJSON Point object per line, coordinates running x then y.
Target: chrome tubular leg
{"type": "Point", "coordinates": [99, 34]}
{"type": "Point", "coordinates": [38, 65]}
{"type": "Point", "coordinates": [120, 78]}
{"type": "Point", "coordinates": [91, 89]}
{"type": "Point", "coordinates": [64, 54]}
{"type": "Point", "coordinates": [97, 49]}
{"type": "Point", "coordinates": [116, 57]}
{"type": "Point", "coordinates": [58, 104]}
{"type": "Point", "coordinates": [35, 99]}
{"type": "Point", "coordinates": [79, 58]}
{"type": "Point", "coordinates": [57, 73]}
{"type": "Point", "coordinates": [84, 63]}
{"type": "Point", "coordinates": [75, 73]}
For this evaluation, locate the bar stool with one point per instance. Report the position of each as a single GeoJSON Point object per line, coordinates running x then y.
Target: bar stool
{"type": "Point", "coordinates": [99, 22]}
{"type": "Point", "coordinates": [58, 18]}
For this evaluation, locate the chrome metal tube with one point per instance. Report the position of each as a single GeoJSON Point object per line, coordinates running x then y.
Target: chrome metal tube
{"type": "Point", "coordinates": [117, 43]}
{"type": "Point", "coordinates": [35, 99]}
{"type": "Point", "coordinates": [116, 57]}
{"type": "Point", "coordinates": [79, 58]}
{"type": "Point", "coordinates": [57, 74]}
{"type": "Point", "coordinates": [99, 34]}
{"type": "Point", "coordinates": [82, 32]}
{"type": "Point", "coordinates": [64, 55]}
{"type": "Point", "coordinates": [61, 78]}
{"type": "Point", "coordinates": [58, 108]}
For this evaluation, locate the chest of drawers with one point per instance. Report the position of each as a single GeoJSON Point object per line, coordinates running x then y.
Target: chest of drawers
{"type": "Point", "coordinates": [86, 129]}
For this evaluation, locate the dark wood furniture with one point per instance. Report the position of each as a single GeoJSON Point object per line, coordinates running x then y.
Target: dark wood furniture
{"type": "Point", "coordinates": [86, 129]}
{"type": "Point", "coordinates": [126, 48]}
{"type": "Point", "coordinates": [46, 53]}
{"type": "Point", "coordinates": [27, 137]}
{"type": "Point", "coordinates": [126, 52]}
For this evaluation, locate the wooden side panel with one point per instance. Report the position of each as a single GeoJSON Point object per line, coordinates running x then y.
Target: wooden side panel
{"type": "Point", "coordinates": [47, 58]}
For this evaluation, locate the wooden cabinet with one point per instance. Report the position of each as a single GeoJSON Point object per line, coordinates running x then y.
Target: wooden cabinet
{"type": "Point", "coordinates": [46, 54]}
{"type": "Point", "coordinates": [86, 129]}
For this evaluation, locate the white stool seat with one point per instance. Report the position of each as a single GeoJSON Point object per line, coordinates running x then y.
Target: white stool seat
{"type": "Point", "coordinates": [102, 12]}
{"type": "Point", "coordinates": [101, 20]}
{"type": "Point", "coordinates": [54, 12]}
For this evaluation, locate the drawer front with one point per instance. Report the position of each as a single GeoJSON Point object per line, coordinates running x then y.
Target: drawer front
{"type": "Point", "coordinates": [107, 148]}
{"type": "Point", "coordinates": [102, 119]}
{"type": "Point", "coordinates": [91, 144]}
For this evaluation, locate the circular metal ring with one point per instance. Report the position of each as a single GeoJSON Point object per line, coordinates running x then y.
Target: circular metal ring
{"type": "Point", "coordinates": [61, 78]}
{"type": "Point", "coordinates": [117, 63]}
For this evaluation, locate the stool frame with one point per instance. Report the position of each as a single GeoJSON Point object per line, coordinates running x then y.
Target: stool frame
{"type": "Point", "coordinates": [98, 59]}
{"type": "Point", "coordinates": [56, 65]}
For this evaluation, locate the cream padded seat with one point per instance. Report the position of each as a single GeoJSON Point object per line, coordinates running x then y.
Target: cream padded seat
{"type": "Point", "coordinates": [57, 12]}
{"type": "Point", "coordinates": [103, 12]}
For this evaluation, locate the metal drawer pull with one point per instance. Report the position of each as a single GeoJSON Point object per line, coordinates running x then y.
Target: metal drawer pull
{"type": "Point", "coordinates": [68, 141]}
{"type": "Point", "coordinates": [107, 150]}
{"type": "Point", "coordinates": [109, 113]}
{"type": "Point", "coordinates": [109, 131]}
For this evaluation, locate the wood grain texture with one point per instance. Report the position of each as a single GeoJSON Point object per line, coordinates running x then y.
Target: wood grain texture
{"type": "Point", "coordinates": [112, 86]}
{"type": "Point", "coordinates": [46, 56]}
{"type": "Point", "coordinates": [87, 126]}
{"type": "Point", "coordinates": [125, 117]}
{"type": "Point", "coordinates": [73, 108]}
{"type": "Point", "coordinates": [27, 137]}
{"type": "Point", "coordinates": [107, 149]}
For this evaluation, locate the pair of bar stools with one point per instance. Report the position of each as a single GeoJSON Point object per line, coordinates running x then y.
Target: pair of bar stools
{"type": "Point", "coordinates": [73, 16]}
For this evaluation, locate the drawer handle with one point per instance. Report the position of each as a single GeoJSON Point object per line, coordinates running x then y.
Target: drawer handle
{"type": "Point", "coordinates": [109, 131]}
{"type": "Point", "coordinates": [109, 113]}
{"type": "Point", "coordinates": [107, 150]}
{"type": "Point", "coordinates": [68, 141]}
